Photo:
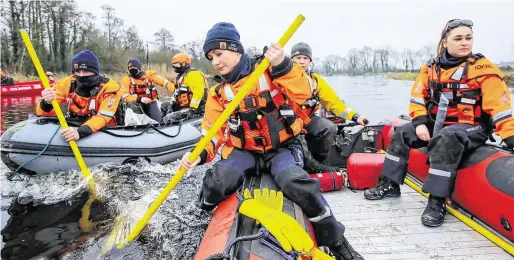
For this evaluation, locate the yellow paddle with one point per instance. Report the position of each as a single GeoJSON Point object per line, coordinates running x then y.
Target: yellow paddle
{"type": "Point", "coordinates": [85, 171]}
{"type": "Point", "coordinates": [117, 234]}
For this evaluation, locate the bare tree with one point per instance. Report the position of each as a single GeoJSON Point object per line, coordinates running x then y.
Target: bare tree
{"type": "Point", "coordinates": [366, 58]}
{"type": "Point", "coordinates": [164, 40]}
{"type": "Point", "coordinates": [353, 61]}
{"type": "Point", "coordinates": [194, 48]}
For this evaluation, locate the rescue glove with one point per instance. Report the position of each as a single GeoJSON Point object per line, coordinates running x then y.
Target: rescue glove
{"type": "Point", "coordinates": [283, 227]}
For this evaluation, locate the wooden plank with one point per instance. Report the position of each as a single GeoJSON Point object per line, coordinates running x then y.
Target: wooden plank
{"type": "Point", "coordinates": [392, 229]}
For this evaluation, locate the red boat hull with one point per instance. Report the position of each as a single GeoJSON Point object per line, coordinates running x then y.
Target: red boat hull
{"type": "Point", "coordinates": [23, 88]}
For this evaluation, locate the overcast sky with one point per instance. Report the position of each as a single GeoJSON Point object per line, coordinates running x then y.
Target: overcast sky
{"type": "Point", "coordinates": [331, 27]}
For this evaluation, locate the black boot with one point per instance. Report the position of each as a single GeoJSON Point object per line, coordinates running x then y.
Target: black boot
{"type": "Point", "coordinates": [386, 188]}
{"type": "Point", "coordinates": [434, 213]}
{"type": "Point", "coordinates": [342, 250]}
{"type": "Point", "coordinates": [328, 230]}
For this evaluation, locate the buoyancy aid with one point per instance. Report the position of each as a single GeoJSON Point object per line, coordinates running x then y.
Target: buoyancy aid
{"type": "Point", "coordinates": [459, 87]}
{"type": "Point", "coordinates": [312, 105]}
{"type": "Point", "coordinates": [183, 94]}
{"type": "Point", "coordinates": [263, 121]}
{"type": "Point", "coordinates": [146, 89]}
{"type": "Point", "coordinates": [83, 108]}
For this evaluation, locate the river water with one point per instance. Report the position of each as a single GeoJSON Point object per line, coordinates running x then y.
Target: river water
{"type": "Point", "coordinates": [53, 215]}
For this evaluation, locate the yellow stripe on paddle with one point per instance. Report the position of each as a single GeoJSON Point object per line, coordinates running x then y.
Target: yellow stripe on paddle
{"type": "Point", "coordinates": [85, 171]}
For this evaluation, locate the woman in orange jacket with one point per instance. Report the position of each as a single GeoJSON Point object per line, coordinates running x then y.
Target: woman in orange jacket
{"type": "Point", "coordinates": [92, 99]}
{"type": "Point", "coordinates": [262, 129]}
{"type": "Point", "coordinates": [138, 86]}
{"type": "Point", "coordinates": [455, 103]}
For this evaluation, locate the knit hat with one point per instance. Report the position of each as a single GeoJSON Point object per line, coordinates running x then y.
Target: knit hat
{"type": "Point", "coordinates": [134, 63]}
{"type": "Point", "coordinates": [85, 60]}
{"type": "Point", "coordinates": [223, 36]}
{"type": "Point", "coordinates": [301, 48]}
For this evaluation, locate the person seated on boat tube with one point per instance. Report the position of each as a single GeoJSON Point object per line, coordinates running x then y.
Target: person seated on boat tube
{"type": "Point", "coordinates": [190, 88]}
{"type": "Point", "coordinates": [456, 101]}
{"type": "Point", "coordinates": [139, 87]}
{"type": "Point", "coordinates": [91, 98]}
{"type": "Point", "coordinates": [261, 133]}
{"type": "Point", "coordinates": [5, 80]}
{"type": "Point", "coordinates": [321, 132]}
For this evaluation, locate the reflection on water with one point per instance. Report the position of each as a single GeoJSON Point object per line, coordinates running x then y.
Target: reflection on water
{"type": "Point", "coordinates": [50, 230]}
{"type": "Point", "coordinates": [15, 109]}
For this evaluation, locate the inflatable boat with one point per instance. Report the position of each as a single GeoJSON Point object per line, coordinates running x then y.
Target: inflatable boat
{"type": "Point", "coordinates": [160, 143]}
{"type": "Point", "coordinates": [231, 233]}
{"type": "Point", "coordinates": [484, 187]}
{"type": "Point", "coordinates": [24, 88]}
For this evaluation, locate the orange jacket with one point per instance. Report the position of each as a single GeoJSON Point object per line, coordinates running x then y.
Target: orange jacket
{"type": "Point", "coordinates": [135, 89]}
{"type": "Point", "coordinates": [475, 97]}
{"type": "Point", "coordinates": [292, 85]}
{"type": "Point", "coordinates": [99, 110]}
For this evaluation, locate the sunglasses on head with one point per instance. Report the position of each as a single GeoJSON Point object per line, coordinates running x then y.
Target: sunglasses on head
{"type": "Point", "coordinates": [458, 22]}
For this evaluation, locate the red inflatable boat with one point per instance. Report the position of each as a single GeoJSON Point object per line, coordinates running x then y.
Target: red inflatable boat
{"type": "Point", "coordinates": [229, 227]}
{"type": "Point", "coordinates": [23, 88]}
{"type": "Point", "coordinates": [484, 187]}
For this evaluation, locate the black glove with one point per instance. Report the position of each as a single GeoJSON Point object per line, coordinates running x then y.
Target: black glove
{"type": "Point", "coordinates": [509, 142]}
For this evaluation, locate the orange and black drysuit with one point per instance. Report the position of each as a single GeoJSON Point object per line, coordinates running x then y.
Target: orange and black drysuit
{"type": "Point", "coordinates": [262, 131]}
{"type": "Point", "coordinates": [460, 102]}
{"type": "Point", "coordinates": [138, 84]}
{"type": "Point", "coordinates": [97, 106]}
{"type": "Point", "coordinates": [5, 80]}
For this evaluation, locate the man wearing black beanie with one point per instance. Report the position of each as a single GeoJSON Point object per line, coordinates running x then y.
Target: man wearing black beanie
{"type": "Point", "coordinates": [92, 99]}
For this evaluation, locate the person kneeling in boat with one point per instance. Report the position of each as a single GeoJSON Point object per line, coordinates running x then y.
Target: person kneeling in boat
{"type": "Point", "coordinates": [261, 130]}
{"type": "Point", "coordinates": [92, 99]}
{"type": "Point", "coordinates": [140, 91]}
{"type": "Point", "coordinates": [452, 104]}
{"type": "Point", "coordinates": [190, 89]}
{"type": "Point", "coordinates": [321, 132]}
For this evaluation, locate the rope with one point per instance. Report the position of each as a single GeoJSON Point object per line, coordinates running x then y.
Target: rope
{"type": "Point", "coordinates": [11, 176]}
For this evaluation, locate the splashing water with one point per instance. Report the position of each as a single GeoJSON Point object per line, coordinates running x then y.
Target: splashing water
{"type": "Point", "coordinates": [174, 232]}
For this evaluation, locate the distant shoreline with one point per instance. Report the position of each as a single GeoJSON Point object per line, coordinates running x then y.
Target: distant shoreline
{"type": "Point", "coordinates": [509, 76]}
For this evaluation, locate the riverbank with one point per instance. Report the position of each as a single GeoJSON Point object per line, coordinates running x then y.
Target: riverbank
{"type": "Point", "coordinates": [509, 76]}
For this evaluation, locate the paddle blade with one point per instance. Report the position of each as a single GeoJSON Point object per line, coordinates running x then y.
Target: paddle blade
{"type": "Point", "coordinates": [119, 232]}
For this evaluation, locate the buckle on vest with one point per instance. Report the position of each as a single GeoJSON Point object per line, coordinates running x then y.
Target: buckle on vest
{"type": "Point", "coordinates": [251, 102]}
{"type": "Point", "coordinates": [260, 140]}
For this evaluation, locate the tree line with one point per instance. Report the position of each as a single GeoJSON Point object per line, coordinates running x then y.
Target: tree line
{"type": "Point", "coordinates": [58, 30]}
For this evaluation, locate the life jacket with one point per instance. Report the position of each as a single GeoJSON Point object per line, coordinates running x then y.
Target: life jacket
{"type": "Point", "coordinates": [83, 108]}
{"type": "Point", "coordinates": [460, 87]}
{"type": "Point", "coordinates": [183, 93]}
{"type": "Point", "coordinates": [143, 88]}
{"type": "Point", "coordinates": [263, 121]}
{"type": "Point", "coordinates": [312, 105]}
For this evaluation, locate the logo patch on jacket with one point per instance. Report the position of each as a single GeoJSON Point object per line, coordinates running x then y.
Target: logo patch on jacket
{"type": "Point", "coordinates": [111, 101]}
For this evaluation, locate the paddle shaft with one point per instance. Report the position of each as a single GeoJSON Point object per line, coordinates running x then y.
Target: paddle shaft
{"type": "Point", "coordinates": [85, 171]}
{"type": "Point", "coordinates": [211, 133]}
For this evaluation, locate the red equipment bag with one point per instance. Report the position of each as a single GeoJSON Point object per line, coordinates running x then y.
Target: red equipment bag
{"type": "Point", "coordinates": [364, 170]}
